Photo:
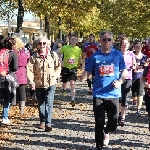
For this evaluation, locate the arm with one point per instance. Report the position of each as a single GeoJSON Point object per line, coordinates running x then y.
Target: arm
{"type": "Point", "coordinates": [15, 60]}
{"type": "Point", "coordinates": [124, 74]}
{"type": "Point", "coordinates": [30, 70]}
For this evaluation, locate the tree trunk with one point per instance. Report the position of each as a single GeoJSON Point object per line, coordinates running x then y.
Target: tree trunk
{"type": "Point", "coordinates": [60, 31]}
{"type": "Point", "coordinates": [20, 16]}
{"type": "Point", "coordinates": [47, 27]}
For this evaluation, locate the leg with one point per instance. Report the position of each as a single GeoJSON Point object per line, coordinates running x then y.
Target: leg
{"type": "Point", "coordinates": [72, 85]}
{"type": "Point", "coordinates": [125, 88]}
{"type": "Point", "coordinates": [22, 95]}
{"type": "Point", "coordinates": [99, 113]}
{"type": "Point", "coordinates": [65, 74]}
{"type": "Point", "coordinates": [72, 79]}
{"type": "Point", "coordinates": [140, 95]}
{"type": "Point", "coordinates": [134, 91]}
{"type": "Point", "coordinates": [5, 93]}
{"type": "Point", "coordinates": [147, 100]}
{"type": "Point", "coordinates": [49, 99]}
{"type": "Point", "coordinates": [112, 110]}
{"type": "Point", "coordinates": [40, 92]}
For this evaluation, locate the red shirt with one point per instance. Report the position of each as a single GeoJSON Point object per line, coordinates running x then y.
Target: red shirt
{"type": "Point", "coordinates": [146, 51]}
{"type": "Point", "coordinates": [90, 48]}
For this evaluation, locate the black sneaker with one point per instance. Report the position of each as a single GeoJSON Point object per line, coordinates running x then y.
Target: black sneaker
{"type": "Point", "coordinates": [72, 103]}
{"type": "Point", "coordinates": [138, 113]}
{"type": "Point", "coordinates": [149, 126]}
{"type": "Point", "coordinates": [122, 123]}
{"type": "Point", "coordinates": [48, 129]}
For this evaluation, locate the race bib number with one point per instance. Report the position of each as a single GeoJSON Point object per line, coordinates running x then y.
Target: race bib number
{"type": "Point", "coordinates": [106, 70]}
{"type": "Point", "coordinates": [71, 61]}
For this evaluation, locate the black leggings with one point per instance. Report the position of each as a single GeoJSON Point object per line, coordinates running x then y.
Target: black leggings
{"type": "Point", "coordinates": [21, 92]}
{"type": "Point", "coordinates": [125, 90]}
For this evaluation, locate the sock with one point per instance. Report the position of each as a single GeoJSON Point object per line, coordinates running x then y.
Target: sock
{"type": "Point", "coordinates": [122, 119]}
{"type": "Point", "coordinates": [138, 110]}
{"type": "Point", "coordinates": [72, 98]}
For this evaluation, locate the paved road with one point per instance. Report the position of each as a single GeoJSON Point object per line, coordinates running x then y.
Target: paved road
{"type": "Point", "coordinates": [73, 128]}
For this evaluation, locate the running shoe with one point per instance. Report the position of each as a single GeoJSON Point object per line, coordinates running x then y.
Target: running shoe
{"type": "Point", "coordinates": [106, 139]}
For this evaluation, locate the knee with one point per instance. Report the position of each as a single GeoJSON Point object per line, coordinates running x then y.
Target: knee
{"type": "Point", "coordinates": [72, 84]}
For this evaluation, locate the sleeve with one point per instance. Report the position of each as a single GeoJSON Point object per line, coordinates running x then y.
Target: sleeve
{"type": "Point", "coordinates": [30, 70]}
{"type": "Point", "coordinates": [122, 65]}
{"type": "Point", "coordinates": [89, 66]}
{"type": "Point", "coordinates": [84, 48]}
{"type": "Point", "coordinates": [145, 71]}
{"type": "Point", "coordinates": [57, 65]}
{"type": "Point", "coordinates": [15, 61]}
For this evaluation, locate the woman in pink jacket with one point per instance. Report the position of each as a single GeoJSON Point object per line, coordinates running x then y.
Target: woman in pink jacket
{"type": "Point", "coordinates": [21, 73]}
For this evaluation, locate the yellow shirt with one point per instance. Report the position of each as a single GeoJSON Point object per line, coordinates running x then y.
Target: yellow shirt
{"type": "Point", "coordinates": [71, 56]}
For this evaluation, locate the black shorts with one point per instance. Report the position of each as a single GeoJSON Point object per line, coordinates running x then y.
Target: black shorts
{"type": "Point", "coordinates": [137, 88]}
{"type": "Point", "coordinates": [68, 74]}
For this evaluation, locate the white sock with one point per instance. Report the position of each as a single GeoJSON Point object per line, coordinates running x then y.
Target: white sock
{"type": "Point", "coordinates": [72, 98]}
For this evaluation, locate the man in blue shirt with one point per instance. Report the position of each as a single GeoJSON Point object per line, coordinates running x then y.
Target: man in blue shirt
{"type": "Point", "coordinates": [110, 72]}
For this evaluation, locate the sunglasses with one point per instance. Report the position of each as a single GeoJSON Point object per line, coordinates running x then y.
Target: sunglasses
{"type": "Point", "coordinates": [109, 40]}
{"type": "Point", "coordinates": [40, 43]}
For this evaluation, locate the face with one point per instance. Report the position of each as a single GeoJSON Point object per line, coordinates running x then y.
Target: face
{"type": "Point", "coordinates": [138, 47]}
{"type": "Point", "coordinates": [125, 44]}
{"type": "Point", "coordinates": [73, 40]}
{"type": "Point", "coordinates": [91, 39]}
{"type": "Point", "coordinates": [106, 41]}
{"type": "Point", "coordinates": [42, 45]}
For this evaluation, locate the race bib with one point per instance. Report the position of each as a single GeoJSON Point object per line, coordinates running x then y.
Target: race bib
{"type": "Point", "coordinates": [71, 61]}
{"type": "Point", "coordinates": [106, 70]}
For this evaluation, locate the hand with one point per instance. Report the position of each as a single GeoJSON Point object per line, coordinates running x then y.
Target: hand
{"type": "Point", "coordinates": [33, 86]}
{"type": "Point", "coordinates": [146, 64]}
{"type": "Point", "coordinates": [147, 85]}
{"type": "Point", "coordinates": [3, 73]}
{"type": "Point", "coordinates": [117, 84]}
{"type": "Point", "coordinates": [134, 66]}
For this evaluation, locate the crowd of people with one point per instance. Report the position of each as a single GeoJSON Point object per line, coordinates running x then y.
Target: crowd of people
{"type": "Point", "coordinates": [112, 70]}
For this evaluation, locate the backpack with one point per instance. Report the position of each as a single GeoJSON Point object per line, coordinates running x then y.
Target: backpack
{"type": "Point", "coordinates": [4, 58]}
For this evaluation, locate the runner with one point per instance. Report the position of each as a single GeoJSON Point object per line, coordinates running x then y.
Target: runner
{"type": "Point", "coordinates": [137, 85]}
{"type": "Point", "coordinates": [90, 48]}
{"type": "Point", "coordinates": [130, 62]}
{"type": "Point", "coordinates": [107, 64]}
{"type": "Point", "coordinates": [146, 81]}
{"type": "Point", "coordinates": [72, 57]}
{"type": "Point", "coordinates": [146, 49]}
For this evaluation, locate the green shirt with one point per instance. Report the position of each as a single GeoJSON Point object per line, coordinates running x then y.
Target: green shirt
{"type": "Point", "coordinates": [71, 56]}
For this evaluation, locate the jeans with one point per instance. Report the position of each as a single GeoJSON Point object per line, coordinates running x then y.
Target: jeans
{"type": "Point", "coordinates": [5, 96]}
{"type": "Point", "coordinates": [45, 97]}
{"type": "Point", "coordinates": [111, 106]}
{"type": "Point", "coordinates": [6, 107]}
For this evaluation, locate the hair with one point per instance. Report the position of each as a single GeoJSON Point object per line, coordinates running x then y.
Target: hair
{"type": "Point", "coordinates": [137, 42]}
{"type": "Point", "coordinates": [122, 39]}
{"type": "Point", "coordinates": [104, 32]}
{"type": "Point", "coordinates": [19, 44]}
{"type": "Point", "coordinates": [73, 35]}
{"type": "Point", "coordinates": [42, 38]}
{"type": "Point", "coordinates": [9, 43]}
{"type": "Point", "coordinates": [35, 45]}
{"type": "Point", "coordinates": [91, 35]}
